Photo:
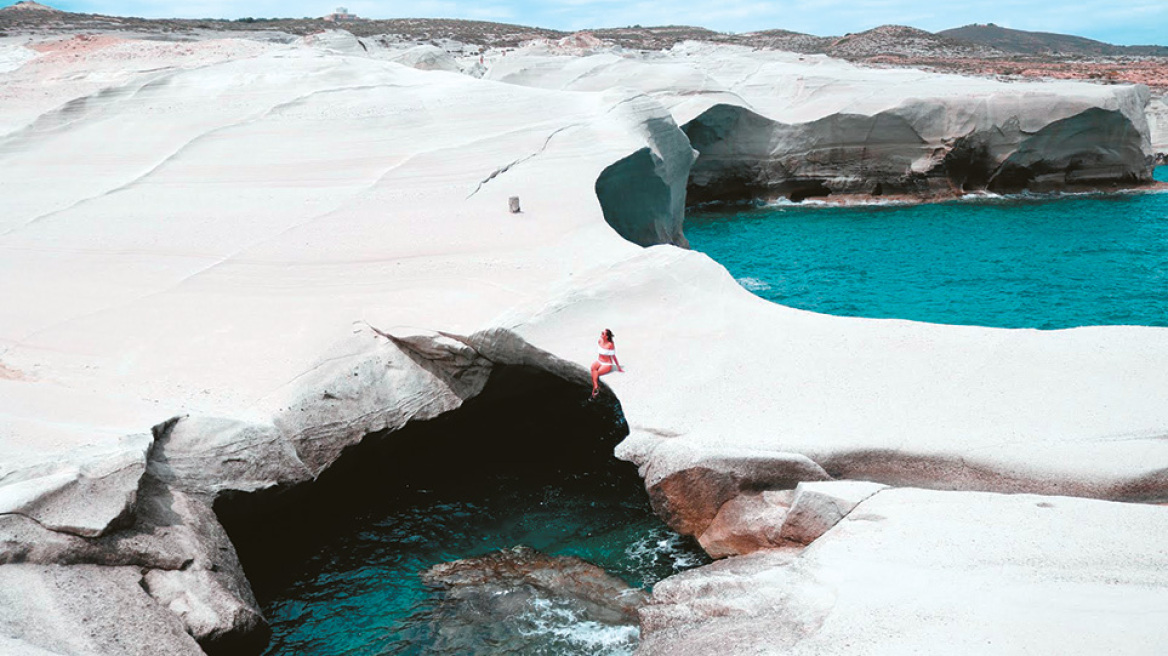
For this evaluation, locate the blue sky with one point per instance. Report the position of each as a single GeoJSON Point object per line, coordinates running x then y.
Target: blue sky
{"type": "Point", "coordinates": [1123, 22]}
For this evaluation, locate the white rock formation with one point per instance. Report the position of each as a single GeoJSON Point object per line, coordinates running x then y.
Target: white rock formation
{"type": "Point", "coordinates": [909, 571]}
{"type": "Point", "coordinates": [13, 56]}
{"type": "Point", "coordinates": [146, 285]}
{"type": "Point", "coordinates": [898, 402]}
{"type": "Point", "coordinates": [781, 124]}
{"type": "Point", "coordinates": [210, 242]}
{"type": "Point", "coordinates": [1158, 124]}
{"type": "Point", "coordinates": [427, 58]}
{"type": "Point", "coordinates": [84, 610]}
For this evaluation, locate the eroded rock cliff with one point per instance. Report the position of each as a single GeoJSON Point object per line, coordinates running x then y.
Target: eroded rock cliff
{"type": "Point", "coordinates": [171, 545]}
{"type": "Point", "coordinates": [770, 124]}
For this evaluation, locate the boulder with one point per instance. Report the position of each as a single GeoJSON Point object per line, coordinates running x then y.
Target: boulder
{"type": "Point", "coordinates": [747, 523]}
{"type": "Point", "coordinates": [688, 486]}
{"type": "Point", "coordinates": [782, 519]}
{"type": "Point", "coordinates": [817, 507]}
{"type": "Point", "coordinates": [510, 571]}
{"type": "Point", "coordinates": [501, 600]}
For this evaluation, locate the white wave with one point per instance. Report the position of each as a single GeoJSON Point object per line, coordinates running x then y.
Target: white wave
{"type": "Point", "coordinates": [661, 546]}
{"type": "Point", "coordinates": [973, 196]}
{"type": "Point", "coordinates": [990, 197]}
{"type": "Point", "coordinates": [754, 284]}
{"type": "Point", "coordinates": [840, 201]}
{"type": "Point", "coordinates": [559, 621]}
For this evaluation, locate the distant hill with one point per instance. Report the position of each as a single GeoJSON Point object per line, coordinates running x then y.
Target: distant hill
{"type": "Point", "coordinates": [895, 41]}
{"type": "Point", "coordinates": [21, 19]}
{"type": "Point", "coordinates": [655, 38]}
{"type": "Point", "coordinates": [1038, 43]}
{"type": "Point", "coordinates": [906, 41]}
{"type": "Point", "coordinates": [29, 5]}
{"type": "Point", "coordinates": [784, 40]}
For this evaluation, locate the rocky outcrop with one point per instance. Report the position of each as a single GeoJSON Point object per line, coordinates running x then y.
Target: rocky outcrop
{"type": "Point", "coordinates": [909, 569]}
{"type": "Point", "coordinates": [770, 125]}
{"type": "Point", "coordinates": [30, 5]}
{"type": "Point", "coordinates": [906, 41]}
{"type": "Point", "coordinates": [171, 545]}
{"type": "Point", "coordinates": [747, 523]}
{"type": "Point", "coordinates": [87, 494]}
{"type": "Point", "coordinates": [426, 58]}
{"type": "Point", "coordinates": [85, 610]}
{"type": "Point", "coordinates": [1158, 126]}
{"type": "Point", "coordinates": [643, 196]}
{"type": "Point", "coordinates": [781, 518]}
{"type": "Point", "coordinates": [499, 602]}
{"type": "Point", "coordinates": [524, 573]}
{"type": "Point", "coordinates": [687, 487]}
{"type": "Point", "coordinates": [744, 155]}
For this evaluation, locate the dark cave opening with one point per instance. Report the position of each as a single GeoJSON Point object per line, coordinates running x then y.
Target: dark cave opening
{"type": "Point", "coordinates": [803, 190]}
{"type": "Point", "coordinates": [526, 425]}
{"type": "Point", "coordinates": [970, 164]}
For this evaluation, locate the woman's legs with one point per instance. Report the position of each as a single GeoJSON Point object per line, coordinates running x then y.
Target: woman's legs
{"type": "Point", "coordinates": [598, 370]}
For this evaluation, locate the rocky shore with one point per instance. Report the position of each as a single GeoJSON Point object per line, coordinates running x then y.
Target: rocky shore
{"type": "Point", "coordinates": [261, 262]}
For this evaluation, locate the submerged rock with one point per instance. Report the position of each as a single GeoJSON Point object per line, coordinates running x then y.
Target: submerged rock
{"type": "Point", "coordinates": [515, 600]}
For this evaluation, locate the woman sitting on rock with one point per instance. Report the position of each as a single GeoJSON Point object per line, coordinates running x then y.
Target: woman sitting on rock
{"type": "Point", "coordinates": [606, 361]}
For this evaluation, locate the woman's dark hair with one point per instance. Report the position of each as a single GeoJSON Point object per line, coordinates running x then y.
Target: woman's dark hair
{"type": "Point", "coordinates": [608, 333]}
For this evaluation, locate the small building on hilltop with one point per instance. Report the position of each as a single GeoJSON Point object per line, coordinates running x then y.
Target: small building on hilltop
{"type": "Point", "coordinates": [341, 15]}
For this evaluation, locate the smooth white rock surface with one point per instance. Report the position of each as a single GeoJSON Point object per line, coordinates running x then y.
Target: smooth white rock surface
{"type": "Point", "coordinates": [797, 88]}
{"type": "Point", "coordinates": [910, 570]}
{"type": "Point", "coordinates": [1158, 124]}
{"type": "Point", "coordinates": [711, 367]}
{"type": "Point", "coordinates": [230, 223]}
{"type": "Point", "coordinates": [208, 230]}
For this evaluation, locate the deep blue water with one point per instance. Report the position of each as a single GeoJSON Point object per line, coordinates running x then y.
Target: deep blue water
{"type": "Point", "coordinates": [1018, 262]}
{"type": "Point", "coordinates": [360, 593]}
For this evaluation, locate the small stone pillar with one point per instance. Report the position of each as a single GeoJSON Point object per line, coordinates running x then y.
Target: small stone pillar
{"type": "Point", "coordinates": [513, 204]}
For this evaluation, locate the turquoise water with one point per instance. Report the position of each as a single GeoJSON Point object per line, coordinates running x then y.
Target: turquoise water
{"type": "Point", "coordinates": [359, 594]}
{"type": "Point", "coordinates": [1019, 262]}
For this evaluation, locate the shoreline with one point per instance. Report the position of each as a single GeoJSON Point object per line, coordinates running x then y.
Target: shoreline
{"type": "Point", "coordinates": [867, 200]}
